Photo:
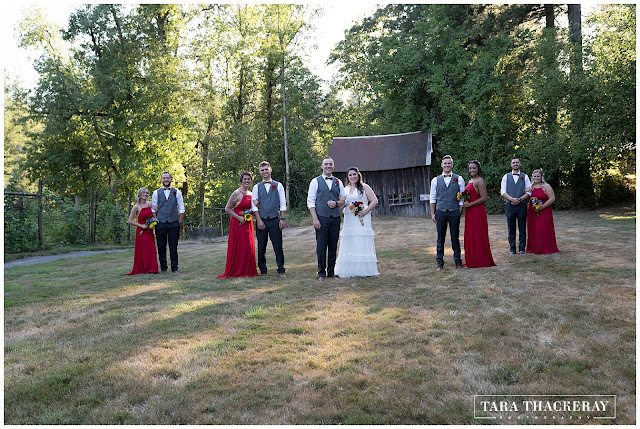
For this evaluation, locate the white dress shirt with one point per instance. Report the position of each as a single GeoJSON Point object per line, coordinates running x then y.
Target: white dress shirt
{"type": "Point", "coordinates": [179, 200]}
{"type": "Point", "coordinates": [447, 180]}
{"type": "Point", "coordinates": [503, 183]}
{"type": "Point", "coordinates": [313, 190]}
{"type": "Point", "coordinates": [267, 187]}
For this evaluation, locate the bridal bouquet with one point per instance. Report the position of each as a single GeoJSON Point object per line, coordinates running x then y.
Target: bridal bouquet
{"type": "Point", "coordinates": [536, 204]}
{"type": "Point", "coordinates": [465, 194]}
{"type": "Point", "coordinates": [151, 223]}
{"type": "Point", "coordinates": [356, 207]}
{"type": "Point", "coordinates": [247, 215]}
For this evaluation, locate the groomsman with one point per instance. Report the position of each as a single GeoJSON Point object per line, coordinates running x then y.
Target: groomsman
{"type": "Point", "coordinates": [513, 189]}
{"type": "Point", "coordinates": [270, 209]}
{"type": "Point", "coordinates": [326, 194]}
{"type": "Point", "coordinates": [168, 206]}
{"type": "Point", "coordinates": [446, 210]}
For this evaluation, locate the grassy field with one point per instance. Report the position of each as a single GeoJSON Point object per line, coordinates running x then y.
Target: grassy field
{"type": "Point", "coordinates": [86, 344]}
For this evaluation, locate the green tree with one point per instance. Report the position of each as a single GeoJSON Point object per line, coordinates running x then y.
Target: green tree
{"type": "Point", "coordinates": [17, 138]}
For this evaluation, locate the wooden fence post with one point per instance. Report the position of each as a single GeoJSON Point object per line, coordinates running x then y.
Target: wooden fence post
{"type": "Point", "coordinates": [40, 232]}
{"type": "Point", "coordinates": [128, 224]}
{"type": "Point", "coordinates": [203, 221]}
{"type": "Point", "coordinates": [95, 214]}
{"type": "Point", "coordinates": [91, 214]}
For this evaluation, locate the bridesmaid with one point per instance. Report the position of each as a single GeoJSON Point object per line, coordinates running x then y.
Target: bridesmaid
{"type": "Point", "coordinates": [477, 249]}
{"type": "Point", "coordinates": [542, 234]}
{"type": "Point", "coordinates": [241, 245]}
{"type": "Point", "coordinates": [144, 253]}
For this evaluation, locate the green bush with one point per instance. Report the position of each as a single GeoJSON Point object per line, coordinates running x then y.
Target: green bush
{"type": "Point", "coordinates": [20, 224]}
{"type": "Point", "coordinates": [64, 222]}
{"type": "Point", "coordinates": [612, 188]}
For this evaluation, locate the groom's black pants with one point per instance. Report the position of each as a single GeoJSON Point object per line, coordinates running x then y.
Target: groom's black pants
{"type": "Point", "coordinates": [271, 231]}
{"type": "Point", "coordinates": [518, 213]}
{"type": "Point", "coordinates": [168, 231]}
{"type": "Point", "coordinates": [327, 242]}
{"type": "Point", "coordinates": [451, 218]}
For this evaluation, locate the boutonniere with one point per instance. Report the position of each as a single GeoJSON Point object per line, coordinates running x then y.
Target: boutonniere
{"type": "Point", "coordinates": [521, 178]}
{"type": "Point", "coordinates": [173, 192]}
{"type": "Point", "coordinates": [273, 186]}
{"type": "Point", "coordinates": [336, 182]}
{"type": "Point", "coordinates": [455, 180]}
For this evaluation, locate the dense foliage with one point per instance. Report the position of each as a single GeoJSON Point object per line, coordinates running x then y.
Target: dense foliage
{"type": "Point", "coordinates": [206, 91]}
{"type": "Point", "coordinates": [494, 81]}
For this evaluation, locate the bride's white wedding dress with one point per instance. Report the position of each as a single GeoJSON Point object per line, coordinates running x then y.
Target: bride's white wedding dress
{"type": "Point", "coordinates": [357, 251]}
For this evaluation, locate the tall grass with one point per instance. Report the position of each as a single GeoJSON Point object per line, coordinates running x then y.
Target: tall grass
{"type": "Point", "coordinates": [86, 344]}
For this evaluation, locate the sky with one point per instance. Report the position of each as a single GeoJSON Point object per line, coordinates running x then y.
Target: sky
{"type": "Point", "coordinates": [337, 17]}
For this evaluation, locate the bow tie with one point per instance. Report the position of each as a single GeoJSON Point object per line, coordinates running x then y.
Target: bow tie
{"type": "Point", "coordinates": [328, 178]}
{"type": "Point", "coordinates": [447, 175]}
{"type": "Point", "coordinates": [516, 174]}
{"type": "Point", "coordinates": [166, 189]}
{"type": "Point", "coordinates": [267, 182]}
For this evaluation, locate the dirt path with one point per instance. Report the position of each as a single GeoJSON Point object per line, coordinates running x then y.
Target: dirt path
{"type": "Point", "coordinates": [42, 259]}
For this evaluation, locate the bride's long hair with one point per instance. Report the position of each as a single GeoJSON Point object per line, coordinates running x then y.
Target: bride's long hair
{"type": "Point", "coordinates": [359, 182]}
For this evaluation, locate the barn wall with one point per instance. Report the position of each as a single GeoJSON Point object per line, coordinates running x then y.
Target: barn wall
{"type": "Point", "coordinates": [416, 180]}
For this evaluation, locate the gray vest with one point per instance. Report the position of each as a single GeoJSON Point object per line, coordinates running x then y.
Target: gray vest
{"type": "Point", "coordinates": [269, 202]}
{"type": "Point", "coordinates": [167, 208]}
{"type": "Point", "coordinates": [515, 189]}
{"type": "Point", "coordinates": [447, 197]}
{"type": "Point", "coordinates": [325, 194]}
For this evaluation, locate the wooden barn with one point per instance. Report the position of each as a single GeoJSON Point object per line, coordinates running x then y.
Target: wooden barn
{"type": "Point", "coordinates": [396, 166]}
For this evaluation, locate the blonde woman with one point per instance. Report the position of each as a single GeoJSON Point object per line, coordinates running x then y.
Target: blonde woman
{"type": "Point", "coordinates": [144, 254]}
{"type": "Point", "coordinates": [542, 234]}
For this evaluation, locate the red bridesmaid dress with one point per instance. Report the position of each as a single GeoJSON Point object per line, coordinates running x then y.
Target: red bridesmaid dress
{"type": "Point", "coordinates": [541, 237]}
{"type": "Point", "coordinates": [241, 246]}
{"type": "Point", "coordinates": [477, 250]}
{"type": "Point", "coordinates": [145, 257]}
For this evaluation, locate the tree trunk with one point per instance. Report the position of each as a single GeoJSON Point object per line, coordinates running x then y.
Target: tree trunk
{"type": "Point", "coordinates": [575, 36]}
{"type": "Point", "coordinates": [552, 64]}
{"type": "Point", "coordinates": [550, 16]}
{"type": "Point", "coordinates": [284, 125]}
{"type": "Point", "coordinates": [581, 181]}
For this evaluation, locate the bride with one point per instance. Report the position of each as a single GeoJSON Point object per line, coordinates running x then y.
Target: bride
{"type": "Point", "coordinates": [357, 252]}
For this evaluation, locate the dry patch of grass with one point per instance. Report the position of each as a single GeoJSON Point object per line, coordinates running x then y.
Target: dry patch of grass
{"type": "Point", "coordinates": [86, 344]}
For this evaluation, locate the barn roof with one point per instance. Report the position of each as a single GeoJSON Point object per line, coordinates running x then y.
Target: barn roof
{"type": "Point", "coordinates": [387, 152]}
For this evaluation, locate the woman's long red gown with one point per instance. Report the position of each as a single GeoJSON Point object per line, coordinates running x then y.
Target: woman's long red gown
{"type": "Point", "coordinates": [241, 246]}
{"type": "Point", "coordinates": [541, 232]}
{"type": "Point", "coordinates": [477, 249]}
{"type": "Point", "coordinates": [145, 257]}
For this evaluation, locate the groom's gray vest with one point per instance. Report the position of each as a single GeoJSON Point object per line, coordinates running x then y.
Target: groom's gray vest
{"type": "Point", "coordinates": [447, 197]}
{"type": "Point", "coordinates": [515, 189]}
{"type": "Point", "coordinates": [269, 202]}
{"type": "Point", "coordinates": [167, 207]}
{"type": "Point", "coordinates": [325, 194]}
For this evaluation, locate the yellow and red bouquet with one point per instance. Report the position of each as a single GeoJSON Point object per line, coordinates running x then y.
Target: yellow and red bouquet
{"type": "Point", "coordinates": [465, 194]}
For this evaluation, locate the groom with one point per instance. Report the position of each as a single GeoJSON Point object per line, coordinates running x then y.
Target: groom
{"type": "Point", "coordinates": [326, 194]}
{"type": "Point", "coordinates": [168, 206]}
{"type": "Point", "coordinates": [269, 208]}
{"type": "Point", "coordinates": [446, 210]}
{"type": "Point", "coordinates": [513, 189]}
